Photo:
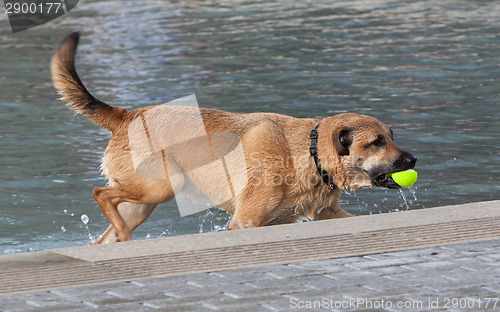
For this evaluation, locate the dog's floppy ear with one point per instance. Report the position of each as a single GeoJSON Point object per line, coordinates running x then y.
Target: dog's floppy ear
{"type": "Point", "coordinates": [342, 140]}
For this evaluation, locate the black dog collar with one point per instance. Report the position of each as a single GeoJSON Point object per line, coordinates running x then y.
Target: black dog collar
{"type": "Point", "coordinates": [314, 153]}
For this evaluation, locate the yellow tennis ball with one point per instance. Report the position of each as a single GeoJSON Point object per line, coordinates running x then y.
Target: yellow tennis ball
{"type": "Point", "coordinates": [404, 178]}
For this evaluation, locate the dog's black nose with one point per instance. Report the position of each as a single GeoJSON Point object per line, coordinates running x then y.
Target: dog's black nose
{"type": "Point", "coordinates": [405, 161]}
{"type": "Point", "coordinates": [411, 160]}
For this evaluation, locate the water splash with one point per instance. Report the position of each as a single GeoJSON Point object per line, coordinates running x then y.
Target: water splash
{"type": "Point", "coordinates": [85, 220]}
{"type": "Point", "coordinates": [210, 222]}
{"type": "Point", "coordinates": [208, 218]}
{"type": "Point", "coordinates": [167, 232]}
{"type": "Point", "coordinates": [413, 192]}
{"type": "Point", "coordinates": [403, 195]}
{"type": "Point", "coordinates": [218, 228]}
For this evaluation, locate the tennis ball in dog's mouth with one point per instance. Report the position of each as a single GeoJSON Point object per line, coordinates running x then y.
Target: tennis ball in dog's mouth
{"type": "Point", "coordinates": [404, 178]}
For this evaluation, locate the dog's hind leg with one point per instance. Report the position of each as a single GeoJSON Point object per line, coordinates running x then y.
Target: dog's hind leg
{"type": "Point", "coordinates": [133, 215]}
{"type": "Point", "coordinates": [108, 199]}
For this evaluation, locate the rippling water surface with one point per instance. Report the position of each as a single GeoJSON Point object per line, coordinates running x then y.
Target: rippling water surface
{"type": "Point", "coordinates": [428, 69]}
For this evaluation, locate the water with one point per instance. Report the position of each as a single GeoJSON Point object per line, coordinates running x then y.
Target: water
{"type": "Point", "coordinates": [403, 196]}
{"type": "Point", "coordinates": [85, 220]}
{"type": "Point", "coordinates": [428, 69]}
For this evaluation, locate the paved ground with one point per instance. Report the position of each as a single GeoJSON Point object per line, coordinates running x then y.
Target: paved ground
{"type": "Point", "coordinates": [450, 277]}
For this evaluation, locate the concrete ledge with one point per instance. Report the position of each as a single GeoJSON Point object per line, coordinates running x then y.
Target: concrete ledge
{"type": "Point", "coordinates": [252, 247]}
{"type": "Point", "coordinates": [228, 239]}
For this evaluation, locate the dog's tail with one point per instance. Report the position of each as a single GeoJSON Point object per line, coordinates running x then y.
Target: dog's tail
{"type": "Point", "coordinates": [72, 90]}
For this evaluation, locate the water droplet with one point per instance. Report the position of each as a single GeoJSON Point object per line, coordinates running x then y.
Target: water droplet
{"type": "Point", "coordinates": [85, 219]}
{"type": "Point", "coordinates": [413, 192]}
{"type": "Point", "coordinates": [403, 195]}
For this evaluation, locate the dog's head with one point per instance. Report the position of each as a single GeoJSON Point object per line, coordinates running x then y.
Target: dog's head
{"type": "Point", "coordinates": [362, 151]}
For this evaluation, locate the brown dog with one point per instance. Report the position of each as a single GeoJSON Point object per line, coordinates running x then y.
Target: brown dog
{"type": "Point", "coordinates": [288, 169]}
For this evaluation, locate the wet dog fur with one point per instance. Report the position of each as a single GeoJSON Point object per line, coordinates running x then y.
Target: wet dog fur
{"type": "Point", "coordinates": [356, 150]}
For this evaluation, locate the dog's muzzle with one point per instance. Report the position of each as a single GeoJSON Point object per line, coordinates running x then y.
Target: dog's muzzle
{"type": "Point", "coordinates": [404, 162]}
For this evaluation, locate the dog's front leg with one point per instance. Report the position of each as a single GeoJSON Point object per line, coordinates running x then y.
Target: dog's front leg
{"type": "Point", "coordinates": [255, 211]}
{"type": "Point", "coordinates": [332, 213]}
{"type": "Point", "coordinates": [243, 218]}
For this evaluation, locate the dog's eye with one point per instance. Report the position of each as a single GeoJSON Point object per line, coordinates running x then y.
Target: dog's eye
{"type": "Point", "coordinates": [378, 142]}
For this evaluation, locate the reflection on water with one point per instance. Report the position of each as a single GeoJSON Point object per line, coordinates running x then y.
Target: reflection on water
{"type": "Point", "coordinates": [428, 69]}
